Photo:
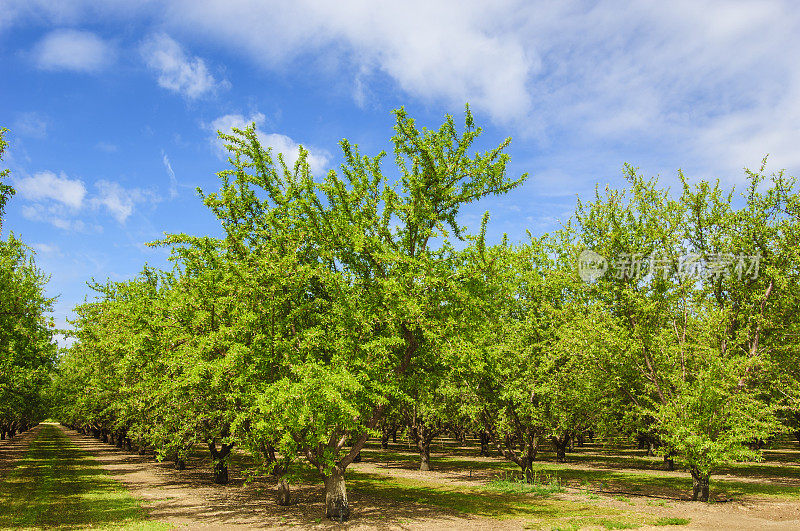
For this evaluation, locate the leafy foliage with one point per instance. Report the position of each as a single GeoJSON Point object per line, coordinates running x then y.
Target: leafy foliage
{"type": "Point", "coordinates": [27, 350]}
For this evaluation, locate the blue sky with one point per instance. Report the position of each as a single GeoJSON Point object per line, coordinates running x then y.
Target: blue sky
{"type": "Point", "coordinates": [112, 106]}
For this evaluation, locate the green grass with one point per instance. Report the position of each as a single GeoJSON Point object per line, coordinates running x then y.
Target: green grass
{"type": "Point", "coordinates": [671, 521]}
{"type": "Point", "coordinates": [538, 488]}
{"type": "Point", "coordinates": [500, 500]}
{"type": "Point", "coordinates": [55, 485]}
{"type": "Point", "coordinates": [780, 464]}
{"type": "Point", "coordinates": [479, 501]}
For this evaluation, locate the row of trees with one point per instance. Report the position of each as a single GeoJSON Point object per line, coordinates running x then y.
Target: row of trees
{"type": "Point", "coordinates": [333, 309]}
{"type": "Point", "coordinates": [27, 350]}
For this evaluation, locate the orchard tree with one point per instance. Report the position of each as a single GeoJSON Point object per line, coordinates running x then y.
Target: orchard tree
{"type": "Point", "coordinates": [690, 365]}
{"type": "Point", "coordinates": [369, 271]}
{"type": "Point", "coordinates": [521, 341]}
{"type": "Point", "coordinates": [27, 348]}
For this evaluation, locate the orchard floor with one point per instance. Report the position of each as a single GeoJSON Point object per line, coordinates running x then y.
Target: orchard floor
{"type": "Point", "coordinates": [604, 490]}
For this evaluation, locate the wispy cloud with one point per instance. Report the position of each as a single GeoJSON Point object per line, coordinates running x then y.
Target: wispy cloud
{"type": "Point", "coordinates": [68, 49]}
{"type": "Point", "coordinates": [177, 71]}
{"type": "Point", "coordinates": [46, 248]}
{"type": "Point", "coordinates": [31, 124]}
{"type": "Point", "coordinates": [107, 147]}
{"type": "Point", "coordinates": [173, 182]}
{"type": "Point", "coordinates": [120, 202]}
{"type": "Point", "coordinates": [705, 84]}
{"type": "Point", "coordinates": [56, 215]}
{"type": "Point", "coordinates": [317, 158]}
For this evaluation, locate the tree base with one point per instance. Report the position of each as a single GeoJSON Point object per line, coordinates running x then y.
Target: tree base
{"type": "Point", "coordinates": [284, 497]}
{"type": "Point", "coordinates": [336, 506]}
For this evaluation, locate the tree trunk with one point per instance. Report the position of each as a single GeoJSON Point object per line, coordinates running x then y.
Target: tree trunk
{"type": "Point", "coordinates": [423, 436]}
{"type": "Point", "coordinates": [699, 486]}
{"type": "Point", "coordinates": [283, 492]}
{"type": "Point", "coordinates": [336, 506]}
{"type": "Point", "coordinates": [669, 463]}
{"type": "Point", "coordinates": [357, 458]}
{"type": "Point", "coordinates": [385, 440]}
{"type": "Point", "coordinates": [425, 456]}
{"type": "Point", "coordinates": [526, 464]}
{"type": "Point", "coordinates": [561, 443]}
{"type": "Point", "coordinates": [221, 472]}
{"type": "Point", "coordinates": [220, 462]}
{"type": "Point", "coordinates": [180, 463]}
{"type": "Point", "coordinates": [104, 436]}
{"type": "Point", "coordinates": [484, 444]}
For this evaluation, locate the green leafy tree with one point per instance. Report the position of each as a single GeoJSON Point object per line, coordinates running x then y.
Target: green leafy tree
{"type": "Point", "coordinates": [27, 347]}
{"type": "Point", "coordinates": [688, 357]}
{"type": "Point", "coordinates": [369, 272]}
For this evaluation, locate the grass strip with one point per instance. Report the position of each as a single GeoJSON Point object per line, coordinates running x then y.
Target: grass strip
{"type": "Point", "coordinates": [56, 485]}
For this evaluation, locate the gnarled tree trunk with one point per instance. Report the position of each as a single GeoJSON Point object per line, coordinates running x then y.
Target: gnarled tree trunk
{"type": "Point", "coordinates": [423, 435]}
{"type": "Point", "coordinates": [425, 457]}
{"type": "Point", "coordinates": [284, 497]}
{"type": "Point", "coordinates": [521, 448]}
{"type": "Point", "coordinates": [484, 444]}
{"type": "Point", "coordinates": [561, 443]}
{"type": "Point", "coordinates": [699, 485]}
{"type": "Point", "coordinates": [336, 506]}
{"type": "Point", "coordinates": [219, 458]}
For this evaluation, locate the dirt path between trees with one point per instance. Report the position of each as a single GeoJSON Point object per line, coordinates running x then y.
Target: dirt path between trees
{"type": "Point", "coordinates": [188, 499]}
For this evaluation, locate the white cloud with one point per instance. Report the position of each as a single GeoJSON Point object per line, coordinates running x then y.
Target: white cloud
{"type": "Point", "coordinates": [710, 84]}
{"type": "Point", "coordinates": [317, 158]}
{"type": "Point", "coordinates": [48, 185]}
{"type": "Point", "coordinates": [118, 201]}
{"type": "Point", "coordinates": [61, 201]}
{"type": "Point", "coordinates": [68, 49]}
{"type": "Point", "coordinates": [228, 122]}
{"type": "Point", "coordinates": [31, 124]}
{"type": "Point", "coordinates": [56, 215]}
{"type": "Point", "coordinates": [46, 248]}
{"type": "Point", "coordinates": [173, 182]}
{"type": "Point", "coordinates": [176, 71]}
{"type": "Point", "coordinates": [439, 51]}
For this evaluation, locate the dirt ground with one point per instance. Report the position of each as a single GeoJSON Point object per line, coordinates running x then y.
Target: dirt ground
{"type": "Point", "coordinates": [187, 499]}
